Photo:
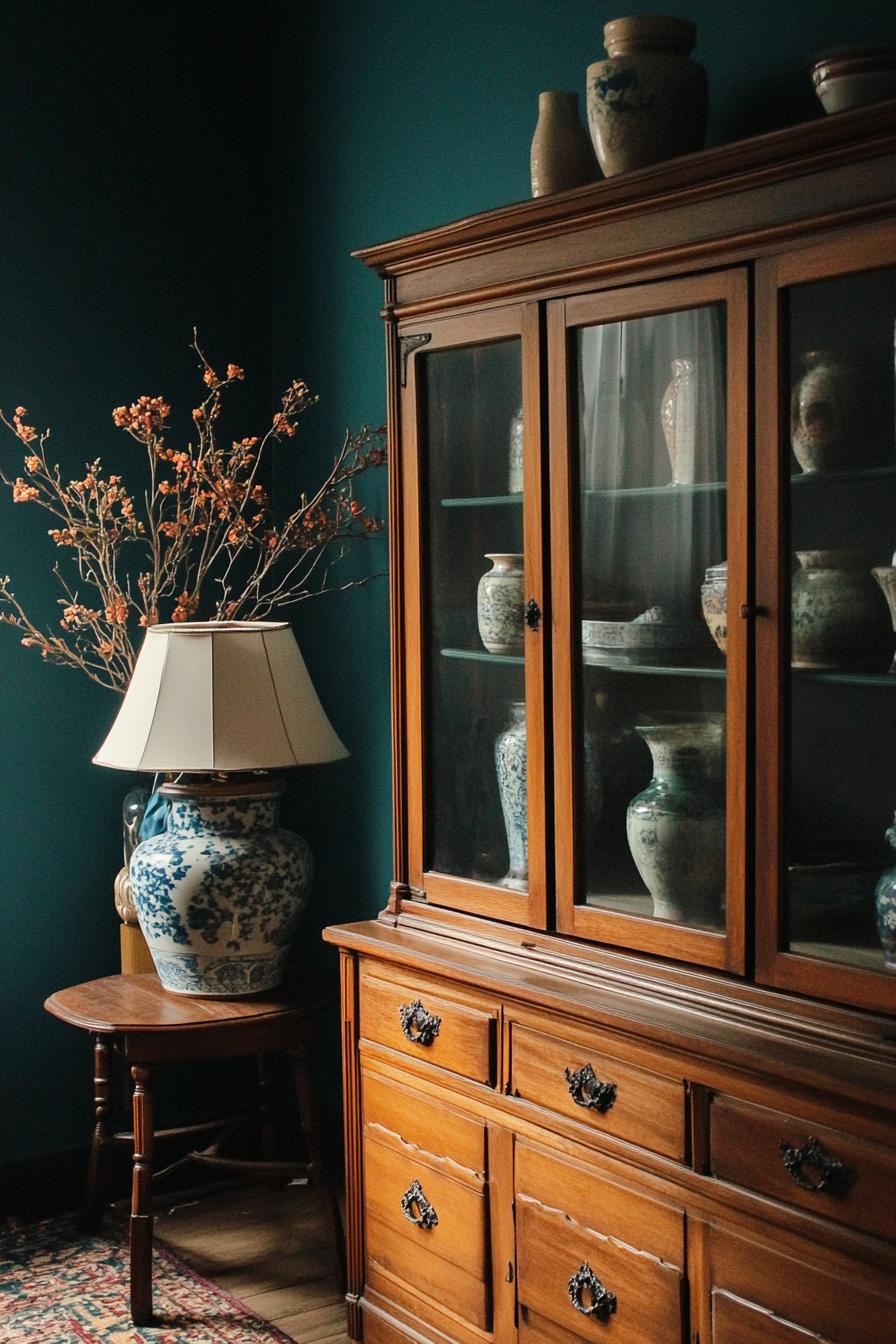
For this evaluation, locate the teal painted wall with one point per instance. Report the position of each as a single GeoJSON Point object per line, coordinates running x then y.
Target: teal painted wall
{"type": "Point", "coordinates": [168, 163]}
{"type": "Point", "coordinates": [135, 187]}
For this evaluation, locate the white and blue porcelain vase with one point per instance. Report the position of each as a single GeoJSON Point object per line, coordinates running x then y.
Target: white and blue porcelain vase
{"type": "Point", "coordinates": [219, 892]}
{"type": "Point", "coordinates": [499, 604]}
{"type": "Point", "coordinates": [510, 766]}
{"type": "Point", "coordinates": [885, 902]}
{"type": "Point", "coordinates": [676, 826]}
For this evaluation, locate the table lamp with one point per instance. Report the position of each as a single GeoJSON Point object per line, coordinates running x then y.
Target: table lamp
{"type": "Point", "coordinates": [214, 706]}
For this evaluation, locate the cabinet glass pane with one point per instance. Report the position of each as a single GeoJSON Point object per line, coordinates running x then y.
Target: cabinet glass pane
{"type": "Point", "coordinates": [652, 475]}
{"type": "Point", "coordinates": [842, 702]}
{"type": "Point", "coordinates": [476, 725]}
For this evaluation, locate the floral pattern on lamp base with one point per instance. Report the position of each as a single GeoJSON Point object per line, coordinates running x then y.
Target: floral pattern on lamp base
{"type": "Point", "coordinates": [219, 893]}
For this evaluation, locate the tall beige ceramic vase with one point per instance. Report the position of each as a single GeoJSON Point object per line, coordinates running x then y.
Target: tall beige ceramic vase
{"type": "Point", "coordinates": [561, 155]}
{"type": "Point", "coordinates": [647, 101]}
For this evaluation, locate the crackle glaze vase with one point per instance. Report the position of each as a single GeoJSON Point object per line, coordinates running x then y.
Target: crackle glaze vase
{"type": "Point", "coordinates": [676, 826]}
{"type": "Point", "coordinates": [219, 893]}
{"type": "Point", "coordinates": [885, 901]}
{"type": "Point", "coordinates": [499, 604]}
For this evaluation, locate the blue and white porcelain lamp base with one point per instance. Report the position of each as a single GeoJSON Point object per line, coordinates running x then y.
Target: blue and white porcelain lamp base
{"type": "Point", "coordinates": [219, 892]}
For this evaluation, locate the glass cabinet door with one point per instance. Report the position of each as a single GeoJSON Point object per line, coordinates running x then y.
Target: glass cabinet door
{"type": "Point", "coordinates": [826, 860]}
{"type": "Point", "coordinates": [649, 675]}
{"type": "Point", "coordinates": [471, 408]}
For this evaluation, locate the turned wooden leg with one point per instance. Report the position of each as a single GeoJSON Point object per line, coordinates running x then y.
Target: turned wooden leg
{"type": "Point", "coordinates": [318, 1177]}
{"type": "Point", "coordinates": [265, 1105]}
{"type": "Point", "coordinates": [141, 1198]}
{"type": "Point", "coordinates": [98, 1167]}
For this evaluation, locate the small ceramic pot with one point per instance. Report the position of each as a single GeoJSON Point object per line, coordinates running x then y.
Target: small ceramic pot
{"type": "Point", "coordinates": [499, 604]}
{"type": "Point", "coordinates": [825, 412]}
{"type": "Point", "coordinates": [714, 601]}
{"type": "Point", "coordinates": [885, 904]}
{"type": "Point", "coordinates": [851, 77]}
{"type": "Point", "coordinates": [836, 611]}
{"type": "Point", "coordinates": [515, 473]}
{"type": "Point", "coordinates": [219, 892]}
{"type": "Point", "coordinates": [676, 827]}
{"type": "Point", "coordinates": [647, 102]}
{"type": "Point", "coordinates": [561, 156]}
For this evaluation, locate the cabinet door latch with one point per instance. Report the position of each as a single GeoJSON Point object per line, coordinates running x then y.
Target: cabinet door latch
{"type": "Point", "coordinates": [533, 614]}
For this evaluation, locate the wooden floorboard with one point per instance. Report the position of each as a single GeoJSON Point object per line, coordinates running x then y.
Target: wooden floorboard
{"type": "Point", "coordinates": [267, 1248]}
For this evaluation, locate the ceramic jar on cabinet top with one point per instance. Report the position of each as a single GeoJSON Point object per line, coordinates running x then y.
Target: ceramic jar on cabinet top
{"type": "Point", "coordinates": [561, 156]}
{"type": "Point", "coordinates": [499, 604]}
{"type": "Point", "coordinates": [676, 826]}
{"type": "Point", "coordinates": [647, 101]}
{"type": "Point", "coordinates": [837, 616]}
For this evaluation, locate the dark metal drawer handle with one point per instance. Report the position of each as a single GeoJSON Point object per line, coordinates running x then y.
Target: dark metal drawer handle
{"type": "Point", "coordinates": [602, 1303]}
{"type": "Point", "coordinates": [417, 1024]}
{"type": "Point", "coordinates": [826, 1175]}
{"type": "Point", "coordinates": [587, 1090]}
{"type": "Point", "coordinates": [417, 1208]}
{"type": "Point", "coordinates": [533, 614]}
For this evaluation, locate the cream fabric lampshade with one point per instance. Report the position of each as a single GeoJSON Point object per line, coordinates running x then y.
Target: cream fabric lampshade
{"type": "Point", "coordinates": [220, 696]}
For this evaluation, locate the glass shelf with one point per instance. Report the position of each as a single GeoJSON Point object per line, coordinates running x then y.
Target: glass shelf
{"type": "Point", "coordinates": [481, 656]}
{"type": "Point", "coordinates": [667, 491]}
{"type": "Point", "coordinates": [593, 658]}
{"type": "Point", "coordinates": [481, 501]}
{"type": "Point", "coordinates": [865, 474]}
{"type": "Point", "coordinates": [833, 678]}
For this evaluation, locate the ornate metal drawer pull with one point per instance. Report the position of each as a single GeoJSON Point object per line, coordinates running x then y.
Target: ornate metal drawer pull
{"type": "Point", "coordinates": [417, 1024]}
{"type": "Point", "coordinates": [830, 1175]}
{"type": "Point", "coordinates": [602, 1302]}
{"type": "Point", "coordinates": [417, 1208]}
{"type": "Point", "coordinates": [587, 1090]}
{"type": "Point", "coordinates": [533, 614]}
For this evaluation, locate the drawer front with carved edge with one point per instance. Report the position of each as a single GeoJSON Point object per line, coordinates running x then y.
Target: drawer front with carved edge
{"type": "Point", "coordinates": [581, 1080]}
{"type": "Point", "coordinates": [430, 1025]}
{"type": "Point", "coordinates": [594, 1257]}
{"type": "Point", "coordinates": [426, 1211]}
{"type": "Point", "coordinates": [823, 1170]}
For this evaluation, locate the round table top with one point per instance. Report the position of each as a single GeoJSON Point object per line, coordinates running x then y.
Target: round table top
{"type": "Point", "coordinates": [138, 1003]}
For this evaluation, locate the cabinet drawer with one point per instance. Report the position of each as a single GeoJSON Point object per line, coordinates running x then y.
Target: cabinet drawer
{"type": "Point", "coordinates": [590, 1257]}
{"type": "Point", "coordinates": [402, 1118]}
{"type": "Point", "coordinates": [588, 1084]}
{"type": "Point", "coordinates": [430, 1025]}
{"type": "Point", "coordinates": [427, 1232]}
{"type": "Point", "coordinates": [820, 1169]}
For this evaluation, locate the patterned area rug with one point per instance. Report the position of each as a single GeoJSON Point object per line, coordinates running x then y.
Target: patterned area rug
{"type": "Point", "coordinates": [59, 1287]}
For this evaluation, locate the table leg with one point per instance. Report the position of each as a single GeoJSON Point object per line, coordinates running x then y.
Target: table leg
{"type": "Point", "coordinates": [318, 1177]}
{"type": "Point", "coordinates": [98, 1167]}
{"type": "Point", "coordinates": [268, 1128]}
{"type": "Point", "coordinates": [141, 1198]}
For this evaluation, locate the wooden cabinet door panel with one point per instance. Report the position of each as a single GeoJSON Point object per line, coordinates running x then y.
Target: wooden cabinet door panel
{"type": "Point", "coordinates": [644, 1305]}
{"type": "Point", "coordinates": [735, 1321]}
{"type": "Point", "coordinates": [444, 1256]}
{"type": "Point", "coordinates": [443, 1031]}
{"type": "Point", "coordinates": [643, 1108]}
{"type": "Point", "coordinates": [858, 1187]}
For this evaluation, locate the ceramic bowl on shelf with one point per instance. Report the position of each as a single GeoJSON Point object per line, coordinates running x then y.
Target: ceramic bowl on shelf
{"type": "Point", "coordinates": [659, 631]}
{"type": "Point", "coordinates": [607, 635]}
{"type": "Point", "coordinates": [848, 77]}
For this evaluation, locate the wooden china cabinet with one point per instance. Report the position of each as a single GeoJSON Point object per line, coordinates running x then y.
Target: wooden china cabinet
{"type": "Point", "coordinates": [620, 1052]}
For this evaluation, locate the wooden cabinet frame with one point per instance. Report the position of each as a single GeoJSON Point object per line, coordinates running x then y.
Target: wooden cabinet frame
{"type": "Point", "coordinates": [441, 889]}
{"type": "Point", "coordinates": [850, 253]}
{"type": "Point", "coordinates": [724, 950]}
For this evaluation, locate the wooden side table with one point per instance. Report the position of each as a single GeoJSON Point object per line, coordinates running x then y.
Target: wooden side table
{"type": "Point", "coordinates": [149, 1027]}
